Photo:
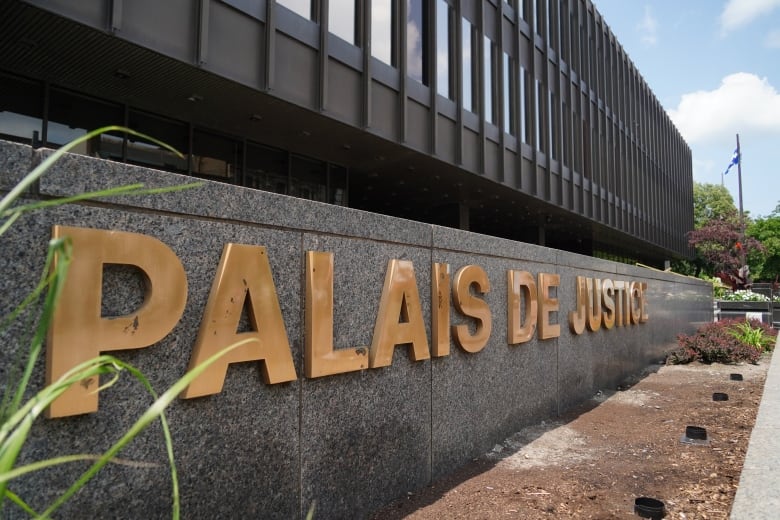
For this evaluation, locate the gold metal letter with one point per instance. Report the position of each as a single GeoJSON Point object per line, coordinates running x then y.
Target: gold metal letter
{"type": "Point", "coordinates": [243, 277]}
{"type": "Point", "coordinates": [521, 292]}
{"type": "Point", "coordinates": [440, 312]}
{"type": "Point", "coordinates": [400, 300]}
{"type": "Point", "coordinates": [473, 307]}
{"type": "Point", "coordinates": [635, 294]}
{"type": "Point", "coordinates": [643, 303]}
{"type": "Point", "coordinates": [548, 305]}
{"type": "Point", "coordinates": [79, 333]}
{"type": "Point", "coordinates": [320, 357]}
{"type": "Point", "coordinates": [594, 304]}
{"type": "Point", "coordinates": [607, 298]}
{"type": "Point", "coordinates": [578, 317]}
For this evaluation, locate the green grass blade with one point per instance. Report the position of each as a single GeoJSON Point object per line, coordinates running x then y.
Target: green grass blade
{"type": "Point", "coordinates": [39, 170]}
{"type": "Point", "coordinates": [16, 499]}
{"type": "Point", "coordinates": [61, 250]}
{"type": "Point", "coordinates": [43, 464]}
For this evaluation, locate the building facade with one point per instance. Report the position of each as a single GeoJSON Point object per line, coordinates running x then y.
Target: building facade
{"type": "Point", "coordinates": [522, 119]}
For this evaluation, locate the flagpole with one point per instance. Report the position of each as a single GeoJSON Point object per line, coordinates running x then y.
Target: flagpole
{"type": "Point", "coordinates": [741, 213]}
{"type": "Point", "coordinates": [739, 179]}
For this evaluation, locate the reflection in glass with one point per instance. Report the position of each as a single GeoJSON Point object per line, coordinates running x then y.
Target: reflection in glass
{"type": "Point", "coordinates": [509, 100]}
{"type": "Point", "coordinates": [215, 156]}
{"type": "Point", "coordinates": [523, 105]}
{"type": "Point", "coordinates": [341, 19]}
{"type": "Point", "coordinates": [489, 71]}
{"type": "Point", "coordinates": [302, 7]}
{"type": "Point", "coordinates": [338, 185]}
{"type": "Point", "coordinates": [72, 115]}
{"type": "Point", "coordinates": [266, 169]}
{"type": "Point", "coordinates": [468, 66]}
{"type": "Point", "coordinates": [416, 41]}
{"type": "Point", "coordinates": [21, 110]}
{"type": "Point", "coordinates": [382, 40]}
{"type": "Point", "coordinates": [553, 127]}
{"type": "Point", "coordinates": [443, 51]}
{"type": "Point", "coordinates": [537, 115]}
{"type": "Point", "coordinates": [174, 133]}
{"type": "Point", "coordinates": [308, 179]}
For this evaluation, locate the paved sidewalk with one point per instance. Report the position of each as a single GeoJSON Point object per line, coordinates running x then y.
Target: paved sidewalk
{"type": "Point", "coordinates": [758, 495]}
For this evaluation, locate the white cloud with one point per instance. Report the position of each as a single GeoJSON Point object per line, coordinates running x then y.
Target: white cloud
{"type": "Point", "coordinates": [773, 40]}
{"type": "Point", "coordinates": [742, 102]}
{"type": "Point", "coordinates": [739, 13]}
{"type": "Point", "coordinates": [648, 28]}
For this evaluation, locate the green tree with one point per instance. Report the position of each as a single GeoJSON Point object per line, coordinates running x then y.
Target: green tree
{"type": "Point", "coordinates": [766, 266]}
{"type": "Point", "coordinates": [712, 202]}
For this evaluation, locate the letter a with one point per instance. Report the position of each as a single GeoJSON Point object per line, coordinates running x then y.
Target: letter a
{"type": "Point", "coordinates": [400, 300]}
{"type": "Point", "coordinates": [243, 276]}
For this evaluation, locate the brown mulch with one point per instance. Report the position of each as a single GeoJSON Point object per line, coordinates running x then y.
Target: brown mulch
{"type": "Point", "coordinates": [622, 444]}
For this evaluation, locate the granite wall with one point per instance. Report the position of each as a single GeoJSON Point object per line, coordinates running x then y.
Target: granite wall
{"type": "Point", "coordinates": [348, 443]}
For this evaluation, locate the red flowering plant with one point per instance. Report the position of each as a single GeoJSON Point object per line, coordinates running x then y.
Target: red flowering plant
{"type": "Point", "coordinates": [722, 244]}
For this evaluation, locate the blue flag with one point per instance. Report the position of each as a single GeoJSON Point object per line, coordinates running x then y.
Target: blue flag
{"type": "Point", "coordinates": [734, 161]}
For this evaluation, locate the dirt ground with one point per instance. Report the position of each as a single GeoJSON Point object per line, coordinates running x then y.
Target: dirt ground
{"type": "Point", "coordinates": [622, 444]}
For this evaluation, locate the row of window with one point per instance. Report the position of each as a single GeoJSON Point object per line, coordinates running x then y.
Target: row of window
{"type": "Point", "coordinates": [52, 117]}
{"type": "Point", "coordinates": [593, 55]}
{"type": "Point", "coordinates": [497, 84]}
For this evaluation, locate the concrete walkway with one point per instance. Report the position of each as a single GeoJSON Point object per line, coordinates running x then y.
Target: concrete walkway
{"type": "Point", "coordinates": [758, 495]}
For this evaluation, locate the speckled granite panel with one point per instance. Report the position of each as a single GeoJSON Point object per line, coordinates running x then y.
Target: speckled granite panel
{"type": "Point", "coordinates": [78, 174]}
{"type": "Point", "coordinates": [366, 435]}
{"type": "Point", "coordinates": [467, 242]}
{"type": "Point", "coordinates": [15, 163]}
{"type": "Point", "coordinates": [236, 452]}
{"type": "Point", "coordinates": [481, 398]}
{"type": "Point", "coordinates": [351, 442]}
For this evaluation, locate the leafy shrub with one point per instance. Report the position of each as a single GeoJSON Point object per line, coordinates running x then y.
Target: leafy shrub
{"type": "Point", "coordinates": [726, 341]}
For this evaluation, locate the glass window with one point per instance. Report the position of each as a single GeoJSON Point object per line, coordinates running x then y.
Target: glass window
{"type": "Point", "coordinates": [417, 40]}
{"type": "Point", "coordinates": [266, 169]}
{"type": "Point", "coordinates": [338, 185]}
{"type": "Point", "coordinates": [552, 118]}
{"type": "Point", "coordinates": [342, 18]}
{"type": "Point", "coordinates": [145, 153]}
{"type": "Point", "coordinates": [308, 179]}
{"type": "Point", "coordinates": [524, 121]}
{"type": "Point", "coordinates": [72, 115]}
{"type": "Point", "coordinates": [538, 115]}
{"type": "Point", "coordinates": [382, 33]}
{"type": "Point", "coordinates": [444, 53]}
{"type": "Point", "coordinates": [302, 7]}
{"type": "Point", "coordinates": [490, 74]}
{"type": "Point", "coordinates": [468, 40]}
{"type": "Point", "coordinates": [21, 112]}
{"type": "Point", "coordinates": [509, 95]}
{"type": "Point", "coordinates": [215, 156]}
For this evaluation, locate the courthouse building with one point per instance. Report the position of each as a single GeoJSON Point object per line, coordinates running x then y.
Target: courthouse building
{"type": "Point", "coordinates": [522, 119]}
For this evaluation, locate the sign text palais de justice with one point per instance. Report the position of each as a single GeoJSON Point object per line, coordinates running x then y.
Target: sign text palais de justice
{"type": "Point", "coordinates": [244, 281]}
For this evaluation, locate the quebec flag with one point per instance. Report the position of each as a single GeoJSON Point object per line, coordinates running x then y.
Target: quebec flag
{"type": "Point", "coordinates": [734, 161]}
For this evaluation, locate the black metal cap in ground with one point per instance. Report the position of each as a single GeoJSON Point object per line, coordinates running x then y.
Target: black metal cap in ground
{"type": "Point", "coordinates": [695, 435]}
{"type": "Point", "coordinates": [696, 432]}
{"type": "Point", "coordinates": [736, 377]}
{"type": "Point", "coordinates": [647, 507]}
{"type": "Point", "coordinates": [720, 396]}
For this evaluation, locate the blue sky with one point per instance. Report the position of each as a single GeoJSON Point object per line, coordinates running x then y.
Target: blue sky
{"type": "Point", "coordinates": [715, 67]}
